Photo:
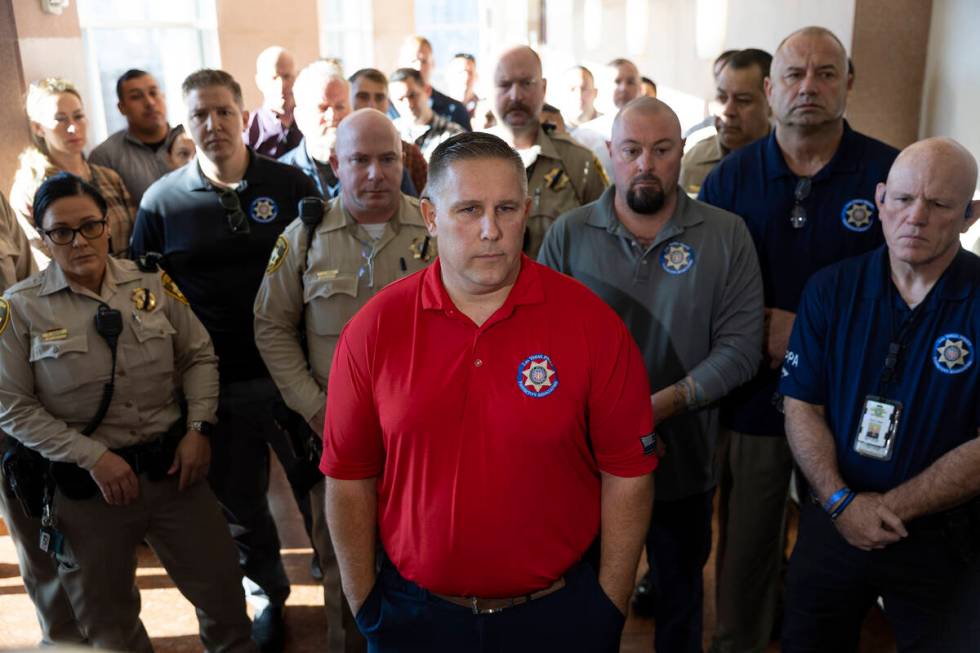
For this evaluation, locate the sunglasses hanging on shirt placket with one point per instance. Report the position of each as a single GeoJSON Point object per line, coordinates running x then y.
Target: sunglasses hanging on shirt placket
{"type": "Point", "coordinates": [797, 216]}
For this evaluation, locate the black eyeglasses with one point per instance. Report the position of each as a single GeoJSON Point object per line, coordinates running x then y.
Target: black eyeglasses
{"type": "Point", "coordinates": [66, 235]}
{"type": "Point", "coordinates": [233, 211]}
{"type": "Point", "coordinates": [797, 217]}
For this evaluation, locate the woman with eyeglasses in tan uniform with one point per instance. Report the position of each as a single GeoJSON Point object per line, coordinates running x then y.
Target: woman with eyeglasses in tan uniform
{"type": "Point", "coordinates": [94, 351]}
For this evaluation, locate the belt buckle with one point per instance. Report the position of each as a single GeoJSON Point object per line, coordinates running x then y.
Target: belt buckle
{"type": "Point", "coordinates": [477, 610]}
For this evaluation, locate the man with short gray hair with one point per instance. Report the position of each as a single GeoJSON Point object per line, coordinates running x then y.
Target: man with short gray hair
{"type": "Point", "coordinates": [806, 192]}
{"type": "Point", "coordinates": [526, 434]}
{"type": "Point", "coordinates": [684, 277]}
{"type": "Point", "coordinates": [322, 99]}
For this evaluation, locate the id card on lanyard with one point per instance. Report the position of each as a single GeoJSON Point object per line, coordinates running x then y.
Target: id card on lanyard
{"type": "Point", "coordinates": [877, 428]}
{"type": "Point", "coordinates": [880, 416]}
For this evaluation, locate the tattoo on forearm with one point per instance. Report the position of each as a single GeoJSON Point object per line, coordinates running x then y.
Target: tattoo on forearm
{"type": "Point", "coordinates": [688, 395]}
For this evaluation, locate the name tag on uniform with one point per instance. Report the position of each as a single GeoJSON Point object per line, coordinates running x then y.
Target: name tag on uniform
{"type": "Point", "coordinates": [327, 274]}
{"type": "Point", "coordinates": [877, 429]}
{"type": "Point", "coordinates": [54, 334]}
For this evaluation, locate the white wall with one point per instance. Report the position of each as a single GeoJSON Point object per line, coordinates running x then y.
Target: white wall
{"type": "Point", "coordinates": [594, 31]}
{"type": "Point", "coordinates": [951, 95]}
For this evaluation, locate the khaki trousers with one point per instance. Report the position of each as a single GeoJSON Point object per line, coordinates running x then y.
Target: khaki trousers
{"type": "Point", "coordinates": [40, 574]}
{"type": "Point", "coordinates": [753, 488]}
{"type": "Point", "coordinates": [343, 636]}
{"type": "Point", "coordinates": [190, 537]}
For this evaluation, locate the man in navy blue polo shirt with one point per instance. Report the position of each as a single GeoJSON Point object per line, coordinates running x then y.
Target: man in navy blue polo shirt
{"type": "Point", "coordinates": [881, 413]}
{"type": "Point", "coordinates": [215, 222]}
{"type": "Point", "coordinates": [806, 193]}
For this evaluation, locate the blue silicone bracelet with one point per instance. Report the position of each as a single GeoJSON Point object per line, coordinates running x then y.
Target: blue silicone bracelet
{"type": "Point", "coordinates": [835, 498]}
{"type": "Point", "coordinates": [843, 505]}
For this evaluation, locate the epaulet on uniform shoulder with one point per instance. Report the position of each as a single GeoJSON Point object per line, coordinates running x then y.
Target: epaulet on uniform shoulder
{"type": "Point", "coordinates": [293, 226]}
{"type": "Point", "coordinates": [32, 281]}
{"type": "Point", "coordinates": [564, 141]}
{"type": "Point", "coordinates": [170, 287]}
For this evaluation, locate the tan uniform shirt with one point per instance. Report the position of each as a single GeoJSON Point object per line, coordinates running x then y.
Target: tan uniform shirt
{"type": "Point", "coordinates": [324, 287]}
{"type": "Point", "coordinates": [564, 176]}
{"type": "Point", "coordinates": [698, 162]}
{"type": "Point", "coordinates": [53, 363]}
{"type": "Point", "coordinates": [16, 261]}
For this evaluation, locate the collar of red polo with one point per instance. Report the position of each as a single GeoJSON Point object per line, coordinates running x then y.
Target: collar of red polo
{"type": "Point", "coordinates": [528, 289]}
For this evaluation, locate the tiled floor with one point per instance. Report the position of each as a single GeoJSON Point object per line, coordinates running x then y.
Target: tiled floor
{"type": "Point", "coordinates": [172, 625]}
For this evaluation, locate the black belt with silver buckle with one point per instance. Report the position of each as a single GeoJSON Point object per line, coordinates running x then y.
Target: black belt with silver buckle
{"type": "Point", "coordinates": [492, 606]}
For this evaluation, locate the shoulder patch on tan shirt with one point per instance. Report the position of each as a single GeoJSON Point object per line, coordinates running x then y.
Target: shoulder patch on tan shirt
{"type": "Point", "coordinates": [170, 287]}
{"type": "Point", "coordinates": [278, 254]}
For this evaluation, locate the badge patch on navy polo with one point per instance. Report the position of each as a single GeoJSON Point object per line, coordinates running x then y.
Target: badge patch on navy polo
{"type": "Point", "coordinates": [263, 209]}
{"type": "Point", "coordinates": [537, 376]}
{"type": "Point", "coordinates": [952, 353]}
{"type": "Point", "coordinates": [858, 215]}
{"type": "Point", "coordinates": [677, 258]}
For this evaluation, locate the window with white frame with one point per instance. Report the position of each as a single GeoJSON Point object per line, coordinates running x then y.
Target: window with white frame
{"type": "Point", "coordinates": [167, 39]}
{"type": "Point", "coordinates": [452, 26]}
{"type": "Point", "coordinates": [346, 33]}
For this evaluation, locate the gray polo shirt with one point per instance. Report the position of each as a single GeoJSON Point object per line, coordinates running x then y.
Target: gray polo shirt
{"type": "Point", "coordinates": [138, 164]}
{"type": "Point", "coordinates": [693, 302]}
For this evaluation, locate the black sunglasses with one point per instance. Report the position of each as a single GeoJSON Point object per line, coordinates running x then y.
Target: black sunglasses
{"type": "Point", "coordinates": [797, 216]}
{"type": "Point", "coordinates": [233, 211]}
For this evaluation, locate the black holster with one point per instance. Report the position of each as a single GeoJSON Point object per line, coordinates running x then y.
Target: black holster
{"type": "Point", "coordinates": [25, 473]}
{"type": "Point", "coordinates": [152, 458]}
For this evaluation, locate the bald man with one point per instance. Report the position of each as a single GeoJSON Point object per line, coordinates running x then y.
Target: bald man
{"type": "Point", "coordinates": [321, 272]}
{"type": "Point", "coordinates": [271, 130]}
{"type": "Point", "coordinates": [807, 194]}
{"type": "Point", "coordinates": [881, 389]}
{"type": "Point", "coordinates": [562, 175]}
{"type": "Point", "coordinates": [684, 278]}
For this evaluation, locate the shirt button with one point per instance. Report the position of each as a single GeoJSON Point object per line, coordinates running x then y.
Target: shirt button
{"type": "Point", "coordinates": [121, 373]}
{"type": "Point", "coordinates": [129, 404]}
{"type": "Point", "coordinates": [478, 362]}
{"type": "Point", "coordinates": [132, 432]}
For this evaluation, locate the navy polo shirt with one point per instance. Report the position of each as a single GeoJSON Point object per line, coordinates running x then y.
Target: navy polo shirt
{"type": "Point", "coordinates": [849, 314]}
{"type": "Point", "coordinates": [755, 183]}
{"type": "Point", "coordinates": [219, 271]}
{"type": "Point", "coordinates": [298, 157]}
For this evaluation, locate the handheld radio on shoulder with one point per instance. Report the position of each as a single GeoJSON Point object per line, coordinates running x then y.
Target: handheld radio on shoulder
{"type": "Point", "coordinates": [311, 213]}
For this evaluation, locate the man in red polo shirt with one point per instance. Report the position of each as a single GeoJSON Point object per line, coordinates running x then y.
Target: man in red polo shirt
{"type": "Point", "coordinates": [490, 418]}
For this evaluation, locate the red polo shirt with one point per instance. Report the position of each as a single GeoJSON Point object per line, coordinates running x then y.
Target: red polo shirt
{"type": "Point", "coordinates": [487, 441]}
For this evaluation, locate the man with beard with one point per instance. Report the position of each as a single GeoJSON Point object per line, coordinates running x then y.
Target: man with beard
{"type": "Point", "coordinates": [562, 175]}
{"type": "Point", "coordinates": [271, 130]}
{"type": "Point", "coordinates": [139, 153]}
{"type": "Point", "coordinates": [684, 277]}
